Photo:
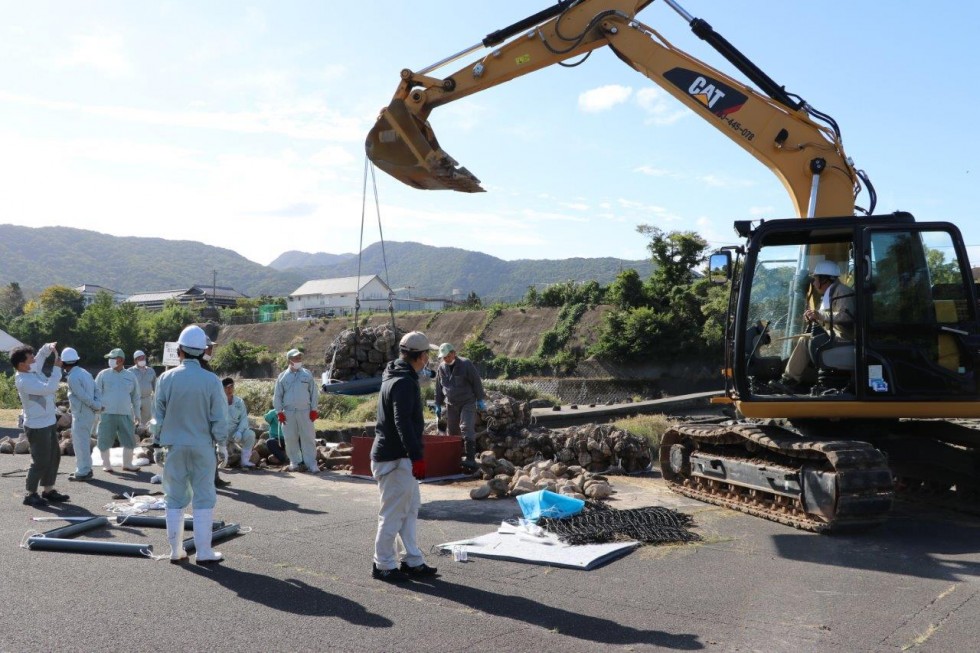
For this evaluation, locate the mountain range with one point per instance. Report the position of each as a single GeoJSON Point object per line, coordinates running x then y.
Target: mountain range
{"type": "Point", "coordinates": [40, 257]}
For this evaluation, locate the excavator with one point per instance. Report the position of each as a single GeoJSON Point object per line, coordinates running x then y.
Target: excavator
{"type": "Point", "coordinates": [875, 315]}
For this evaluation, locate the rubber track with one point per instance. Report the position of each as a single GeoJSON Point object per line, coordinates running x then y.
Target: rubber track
{"type": "Point", "coordinates": [864, 480]}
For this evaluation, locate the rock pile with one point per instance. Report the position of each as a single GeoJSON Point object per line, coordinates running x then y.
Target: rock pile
{"type": "Point", "coordinates": [595, 448]}
{"type": "Point", "coordinates": [504, 479]}
{"type": "Point", "coordinates": [362, 353]}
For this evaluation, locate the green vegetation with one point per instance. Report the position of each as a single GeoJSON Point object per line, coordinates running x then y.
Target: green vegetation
{"type": "Point", "coordinates": [240, 357]}
{"type": "Point", "coordinates": [649, 427]}
{"type": "Point", "coordinates": [8, 392]}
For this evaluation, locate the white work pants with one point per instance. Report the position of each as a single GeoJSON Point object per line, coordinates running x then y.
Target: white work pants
{"type": "Point", "coordinates": [398, 517]}
{"type": "Point", "coordinates": [246, 441]}
{"type": "Point", "coordinates": [188, 476]}
{"type": "Point", "coordinates": [300, 437]}
{"type": "Point", "coordinates": [82, 426]}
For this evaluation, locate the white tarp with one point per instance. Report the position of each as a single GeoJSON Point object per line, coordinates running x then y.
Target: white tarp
{"type": "Point", "coordinates": [8, 342]}
{"type": "Point", "coordinates": [513, 544]}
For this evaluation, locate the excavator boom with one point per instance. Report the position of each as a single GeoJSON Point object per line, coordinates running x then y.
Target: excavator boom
{"type": "Point", "coordinates": [772, 125]}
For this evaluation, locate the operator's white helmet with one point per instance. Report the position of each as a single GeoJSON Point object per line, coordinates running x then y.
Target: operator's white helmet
{"type": "Point", "coordinates": [827, 269]}
{"type": "Point", "coordinates": [69, 355]}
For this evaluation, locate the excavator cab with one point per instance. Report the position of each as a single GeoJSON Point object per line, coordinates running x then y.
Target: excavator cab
{"type": "Point", "coordinates": [898, 334]}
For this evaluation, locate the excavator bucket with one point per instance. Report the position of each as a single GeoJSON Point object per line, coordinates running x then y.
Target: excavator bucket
{"type": "Point", "coordinates": [406, 148]}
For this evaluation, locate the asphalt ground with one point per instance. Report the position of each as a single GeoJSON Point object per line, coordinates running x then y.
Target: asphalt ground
{"type": "Point", "coordinates": [300, 580]}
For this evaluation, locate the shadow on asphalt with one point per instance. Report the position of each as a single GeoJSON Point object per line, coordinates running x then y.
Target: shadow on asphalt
{"type": "Point", "coordinates": [290, 595]}
{"type": "Point", "coordinates": [565, 622]}
{"type": "Point", "coordinates": [914, 542]}
{"type": "Point", "coordinates": [490, 512]}
{"type": "Point", "coordinates": [266, 501]}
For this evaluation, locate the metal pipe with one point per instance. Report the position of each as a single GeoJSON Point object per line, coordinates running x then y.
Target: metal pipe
{"type": "Point", "coordinates": [37, 543]}
{"type": "Point", "coordinates": [151, 521]}
{"type": "Point", "coordinates": [451, 58]}
{"type": "Point", "coordinates": [216, 536]}
{"type": "Point", "coordinates": [679, 9]}
{"type": "Point", "coordinates": [77, 528]}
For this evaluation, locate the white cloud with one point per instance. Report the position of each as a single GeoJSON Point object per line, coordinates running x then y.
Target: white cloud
{"type": "Point", "coordinates": [725, 181]}
{"type": "Point", "coordinates": [761, 210]}
{"type": "Point", "coordinates": [650, 171]}
{"type": "Point", "coordinates": [303, 119]}
{"type": "Point", "coordinates": [103, 52]}
{"type": "Point", "coordinates": [575, 206]}
{"type": "Point", "coordinates": [660, 107]}
{"type": "Point", "coordinates": [603, 98]}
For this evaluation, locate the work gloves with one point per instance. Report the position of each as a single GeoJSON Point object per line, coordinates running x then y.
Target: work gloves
{"type": "Point", "coordinates": [438, 411]}
{"type": "Point", "coordinates": [314, 415]}
{"type": "Point", "coordinates": [418, 469]}
{"type": "Point", "coordinates": [223, 453]}
{"type": "Point", "coordinates": [481, 405]}
{"type": "Point", "coordinates": [282, 417]}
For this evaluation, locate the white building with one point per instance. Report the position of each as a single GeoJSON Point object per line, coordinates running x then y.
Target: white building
{"type": "Point", "coordinates": [321, 296]}
{"type": "Point", "coordinates": [90, 291]}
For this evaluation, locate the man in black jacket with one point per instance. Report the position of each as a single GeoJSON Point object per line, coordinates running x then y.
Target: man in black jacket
{"type": "Point", "coordinates": [395, 458]}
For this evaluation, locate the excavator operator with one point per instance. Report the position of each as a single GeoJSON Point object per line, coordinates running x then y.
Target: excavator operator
{"type": "Point", "coordinates": [835, 315]}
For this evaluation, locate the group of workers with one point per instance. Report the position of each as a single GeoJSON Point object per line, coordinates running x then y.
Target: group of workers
{"type": "Point", "coordinates": [192, 415]}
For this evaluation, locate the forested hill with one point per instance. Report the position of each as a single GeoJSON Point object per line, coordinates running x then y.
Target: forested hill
{"type": "Point", "coordinates": [436, 271]}
{"type": "Point", "coordinates": [40, 257]}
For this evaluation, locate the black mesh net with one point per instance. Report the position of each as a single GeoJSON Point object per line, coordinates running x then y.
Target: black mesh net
{"type": "Point", "coordinates": [598, 524]}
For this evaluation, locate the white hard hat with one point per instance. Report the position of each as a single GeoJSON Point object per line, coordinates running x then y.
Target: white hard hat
{"type": "Point", "coordinates": [827, 269]}
{"type": "Point", "coordinates": [193, 337]}
{"type": "Point", "coordinates": [69, 355]}
{"type": "Point", "coordinates": [136, 354]}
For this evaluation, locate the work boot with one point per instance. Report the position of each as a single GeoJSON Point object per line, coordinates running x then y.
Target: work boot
{"type": "Point", "coordinates": [175, 535]}
{"type": "Point", "coordinates": [469, 463]}
{"type": "Point", "coordinates": [219, 482]}
{"type": "Point", "coordinates": [203, 525]}
{"type": "Point", "coordinates": [389, 575]}
{"type": "Point", "coordinates": [128, 465]}
{"type": "Point", "coordinates": [246, 454]}
{"type": "Point", "coordinates": [106, 465]}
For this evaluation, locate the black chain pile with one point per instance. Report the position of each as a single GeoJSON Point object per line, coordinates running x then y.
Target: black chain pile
{"type": "Point", "coordinates": [598, 524]}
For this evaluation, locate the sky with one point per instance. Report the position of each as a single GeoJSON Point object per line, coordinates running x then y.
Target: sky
{"type": "Point", "coordinates": [242, 124]}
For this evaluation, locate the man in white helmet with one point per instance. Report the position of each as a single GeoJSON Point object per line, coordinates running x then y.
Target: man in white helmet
{"type": "Point", "coordinates": [120, 394]}
{"type": "Point", "coordinates": [295, 399]}
{"type": "Point", "coordinates": [190, 412]}
{"type": "Point", "coordinates": [836, 308]}
{"type": "Point", "coordinates": [85, 403]}
{"type": "Point", "coordinates": [147, 379]}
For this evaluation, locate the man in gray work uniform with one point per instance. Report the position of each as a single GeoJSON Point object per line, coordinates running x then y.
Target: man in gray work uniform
{"type": "Point", "coordinates": [459, 387]}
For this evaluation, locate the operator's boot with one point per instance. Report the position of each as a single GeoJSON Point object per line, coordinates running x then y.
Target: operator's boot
{"type": "Point", "coordinates": [469, 463]}
{"type": "Point", "coordinates": [246, 454]}
{"type": "Point", "coordinates": [128, 461]}
{"type": "Point", "coordinates": [203, 523]}
{"type": "Point", "coordinates": [175, 535]}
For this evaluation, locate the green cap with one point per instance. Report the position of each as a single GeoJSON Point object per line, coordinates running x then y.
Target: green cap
{"type": "Point", "coordinates": [293, 353]}
{"type": "Point", "coordinates": [116, 353]}
{"type": "Point", "coordinates": [445, 348]}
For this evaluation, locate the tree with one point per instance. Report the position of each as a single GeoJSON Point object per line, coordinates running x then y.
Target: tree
{"type": "Point", "coordinates": [472, 301]}
{"type": "Point", "coordinates": [941, 270]}
{"type": "Point", "coordinates": [675, 255]}
{"type": "Point", "coordinates": [627, 290]}
{"type": "Point", "coordinates": [164, 326]}
{"type": "Point", "coordinates": [11, 301]}
{"type": "Point", "coordinates": [53, 298]}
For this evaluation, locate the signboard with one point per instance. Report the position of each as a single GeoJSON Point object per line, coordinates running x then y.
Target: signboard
{"type": "Point", "coordinates": [170, 358]}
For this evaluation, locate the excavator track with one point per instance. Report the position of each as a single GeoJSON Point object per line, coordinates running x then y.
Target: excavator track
{"type": "Point", "coordinates": [774, 473]}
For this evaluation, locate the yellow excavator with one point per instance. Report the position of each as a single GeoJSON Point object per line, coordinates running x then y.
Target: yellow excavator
{"type": "Point", "coordinates": [852, 341]}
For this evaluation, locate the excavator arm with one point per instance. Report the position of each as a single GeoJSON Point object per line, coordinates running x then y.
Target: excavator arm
{"type": "Point", "coordinates": [774, 126]}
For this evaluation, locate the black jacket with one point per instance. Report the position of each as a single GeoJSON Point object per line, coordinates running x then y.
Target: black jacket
{"type": "Point", "coordinates": [398, 433]}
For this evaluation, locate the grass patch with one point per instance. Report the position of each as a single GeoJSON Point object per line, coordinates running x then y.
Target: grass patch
{"type": "Point", "coordinates": [649, 427]}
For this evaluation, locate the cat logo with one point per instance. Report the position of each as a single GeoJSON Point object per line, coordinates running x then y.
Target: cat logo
{"type": "Point", "coordinates": [720, 99]}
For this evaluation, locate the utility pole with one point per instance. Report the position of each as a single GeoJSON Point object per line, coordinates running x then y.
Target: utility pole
{"type": "Point", "coordinates": [214, 289]}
